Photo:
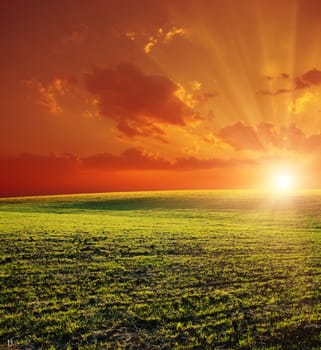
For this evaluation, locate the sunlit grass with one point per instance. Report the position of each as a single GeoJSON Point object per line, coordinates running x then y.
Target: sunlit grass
{"type": "Point", "coordinates": [165, 270]}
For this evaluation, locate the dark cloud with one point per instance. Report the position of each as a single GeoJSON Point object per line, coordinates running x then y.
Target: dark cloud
{"type": "Point", "coordinates": [136, 159]}
{"type": "Point", "coordinates": [131, 159]}
{"type": "Point", "coordinates": [273, 93]}
{"type": "Point", "coordinates": [45, 174]}
{"type": "Point", "coordinates": [192, 163]}
{"type": "Point", "coordinates": [285, 76]}
{"type": "Point", "coordinates": [139, 103]}
{"type": "Point", "coordinates": [308, 79]}
{"type": "Point", "coordinates": [131, 130]}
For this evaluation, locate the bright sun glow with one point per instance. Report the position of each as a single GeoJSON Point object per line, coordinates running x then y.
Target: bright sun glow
{"type": "Point", "coordinates": [284, 181]}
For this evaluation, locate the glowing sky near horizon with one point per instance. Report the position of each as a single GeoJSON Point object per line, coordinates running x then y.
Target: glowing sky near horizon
{"type": "Point", "coordinates": [130, 95]}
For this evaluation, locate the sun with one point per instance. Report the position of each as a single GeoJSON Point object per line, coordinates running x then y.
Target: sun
{"type": "Point", "coordinates": [284, 181]}
{"type": "Point", "coordinates": [282, 178]}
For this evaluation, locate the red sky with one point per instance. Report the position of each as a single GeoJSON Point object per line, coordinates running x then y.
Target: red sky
{"type": "Point", "coordinates": [129, 95]}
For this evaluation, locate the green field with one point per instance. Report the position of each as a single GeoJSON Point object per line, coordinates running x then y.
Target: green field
{"type": "Point", "coordinates": [161, 270]}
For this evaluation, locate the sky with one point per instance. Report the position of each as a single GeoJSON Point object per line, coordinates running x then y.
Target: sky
{"type": "Point", "coordinates": [153, 95]}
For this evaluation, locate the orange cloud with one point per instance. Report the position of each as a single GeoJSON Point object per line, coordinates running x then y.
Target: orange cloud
{"type": "Point", "coordinates": [162, 36]}
{"type": "Point", "coordinates": [47, 95]}
{"type": "Point", "coordinates": [241, 137]}
{"type": "Point", "coordinates": [139, 103]}
{"type": "Point", "coordinates": [265, 136]}
{"type": "Point", "coordinates": [192, 96]}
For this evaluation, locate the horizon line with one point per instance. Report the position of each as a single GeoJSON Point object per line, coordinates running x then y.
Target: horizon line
{"type": "Point", "coordinates": [66, 194]}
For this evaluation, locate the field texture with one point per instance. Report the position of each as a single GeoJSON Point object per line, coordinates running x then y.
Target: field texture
{"type": "Point", "coordinates": [161, 270]}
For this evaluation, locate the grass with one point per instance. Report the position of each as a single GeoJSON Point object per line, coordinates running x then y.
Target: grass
{"type": "Point", "coordinates": [161, 270]}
